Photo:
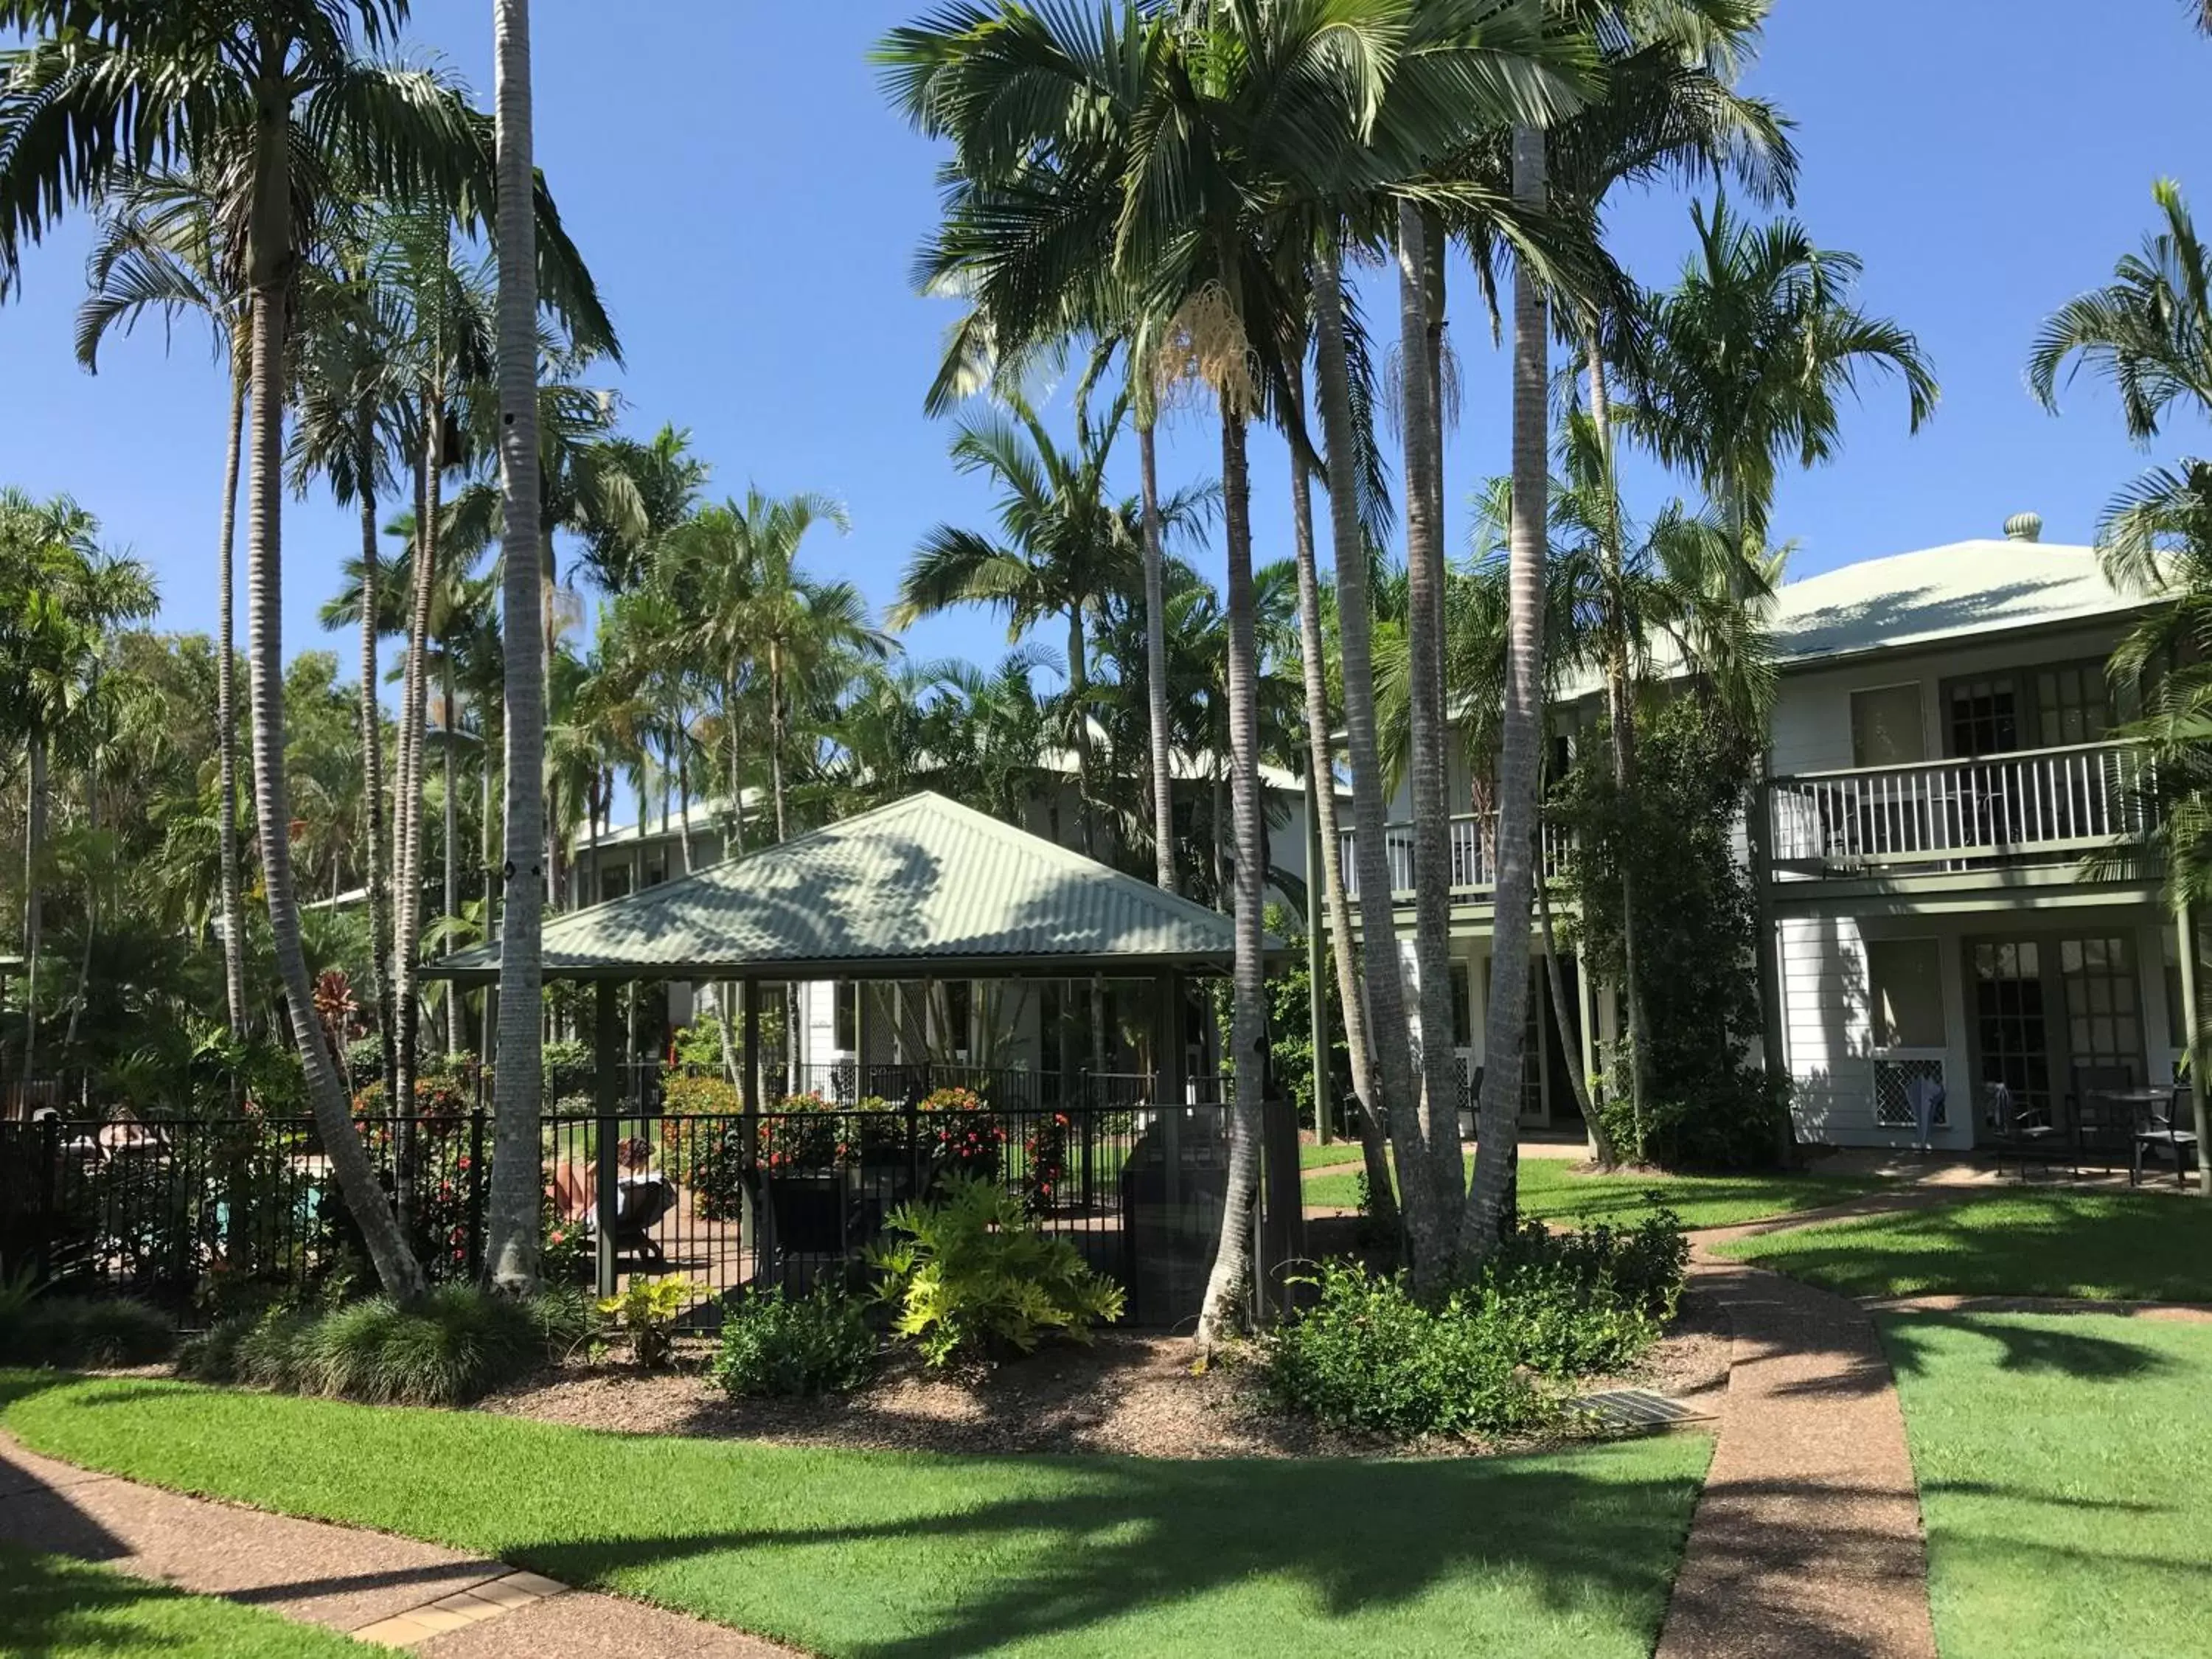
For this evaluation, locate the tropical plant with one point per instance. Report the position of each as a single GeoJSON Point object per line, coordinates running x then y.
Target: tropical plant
{"type": "Point", "coordinates": [2149, 332]}
{"type": "Point", "coordinates": [777, 1345]}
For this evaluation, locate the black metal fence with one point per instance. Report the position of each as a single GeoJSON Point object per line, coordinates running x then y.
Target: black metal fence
{"type": "Point", "coordinates": [205, 1217]}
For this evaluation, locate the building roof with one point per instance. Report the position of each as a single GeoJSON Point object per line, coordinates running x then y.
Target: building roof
{"type": "Point", "coordinates": [925, 885]}
{"type": "Point", "coordinates": [1965, 589]}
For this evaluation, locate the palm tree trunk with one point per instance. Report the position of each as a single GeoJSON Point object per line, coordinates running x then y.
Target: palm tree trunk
{"type": "Point", "coordinates": [1556, 979]}
{"type": "Point", "coordinates": [1427, 763]}
{"type": "Point", "coordinates": [684, 805]}
{"type": "Point", "coordinates": [1079, 724]}
{"type": "Point", "coordinates": [91, 890]}
{"type": "Point", "coordinates": [395, 1264]}
{"type": "Point", "coordinates": [1389, 1031]}
{"type": "Point", "coordinates": [1620, 714]}
{"type": "Point", "coordinates": [34, 836]}
{"type": "Point", "coordinates": [414, 719]}
{"type": "Point", "coordinates": [775, 735]}
{"type": "Point", "coordinates": [226, 719]}
{"type": "Point", "coordinates": [737, 786]}
{"type": "Point", "coordinates": [1490, 1200]}
{"type": "Point", "coordinates": [450, 826]}
{"type": "Point", "coordinates": [1320, 801]}
{"type": "Point", "coordinates": [1233, 1266]}
{"type": "Point", "coordinates": [380, 995]}
{"type": "Point", "coordinates": [517, 1169]}
{"type": "Point", "coordinates": [1156, 663]}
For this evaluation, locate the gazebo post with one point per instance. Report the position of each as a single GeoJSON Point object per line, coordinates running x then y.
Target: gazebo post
{"type": "Point", "coordinates": [748, 1220]}
{"type": "Point", "coordinates": [606, 1090]}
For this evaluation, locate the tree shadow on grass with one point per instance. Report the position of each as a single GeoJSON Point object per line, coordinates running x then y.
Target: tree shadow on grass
{"type": "Point", "coordinates": [2051, 1343]}
{"type": "Point", "coordinates": [1343, 1539]}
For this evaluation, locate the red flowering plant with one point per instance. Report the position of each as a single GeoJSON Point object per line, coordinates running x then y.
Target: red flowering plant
{"type": "Point", "coordinates": [963, 1130]}
{"type": "Point", "coordinates": [805, 1132]}
{"type": "Point", "coordinates": [1044, 1149]}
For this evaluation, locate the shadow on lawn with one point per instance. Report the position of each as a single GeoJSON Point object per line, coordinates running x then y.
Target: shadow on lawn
{"type": "Point", "coordinates": [61, 1609]}
{"type": "Point", "coordinates": [2147, 1247]}
{"type": "Point", "coordinates": [2052, 1343]}
{"type": "Point", "coordinates": [1352, 1537]}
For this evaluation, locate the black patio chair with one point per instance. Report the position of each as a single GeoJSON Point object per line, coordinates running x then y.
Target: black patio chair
{"type": "Point", "coordinates": [2161, 1125]}
{"type": "Point", "coordinates": [2104, 1125]}
{"type": "Point", "coordinates": [2024, 1133]}
{"type": "Point", "coordinates": [639, 1207]}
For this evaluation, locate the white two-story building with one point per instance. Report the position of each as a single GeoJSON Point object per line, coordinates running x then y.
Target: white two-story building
{"type": "Point", "coordinates": [1942, 766]}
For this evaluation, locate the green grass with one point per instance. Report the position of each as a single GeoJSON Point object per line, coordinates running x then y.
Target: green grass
{"type": "Point", "coordinates": [2066, 1507]}
{"type": "Point", "coordinates": [54, 1608]}
{"type": "Point", "coordinates": [879, 1555]}
{"type": "Point", "coordinates": [2131, 1247]}
{"type": "Point", "coordinates": [1311, 1156]}
{"type": "Point", "coordinates": [1552, 1191]}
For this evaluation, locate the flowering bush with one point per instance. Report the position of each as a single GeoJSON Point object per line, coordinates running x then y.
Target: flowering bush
{"type": "Point", "coordinates": [964, 1135]}
{"type": "Point", "coordinates": [805, 1134]}
{"type": "Point", "coordinates": [1044, 1178]}
{"type": "Point", "coordinates": [685, 1095]}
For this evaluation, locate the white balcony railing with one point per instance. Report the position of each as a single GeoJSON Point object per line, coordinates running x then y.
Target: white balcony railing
{"type": "Point", "coordinates": [1471, 845]}
{"type": "Point", "coordinates": [2033, 803]}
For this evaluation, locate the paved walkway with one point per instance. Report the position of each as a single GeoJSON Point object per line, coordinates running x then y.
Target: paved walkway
{"type": "Point", "coordinates": [372, 1585]}
{"type": "Point", "coordinates": [1807, 1539]}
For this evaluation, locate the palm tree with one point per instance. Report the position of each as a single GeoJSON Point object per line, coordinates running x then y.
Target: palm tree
{"type": "Point", "coordinates": [168, 241]}
{"type": "Point", "coordinates": [516, 1156]}
{"type": "Point", "coordinates": [1745, 362]}
{"type": "Point", "coordinates": [2149, 332]}
{"type": "Point", "coordinates": [104, 84]}
{"type": "Point", "coordinates": [1064, 545]}
{"type": "Point", "coordinates": [734, 569]}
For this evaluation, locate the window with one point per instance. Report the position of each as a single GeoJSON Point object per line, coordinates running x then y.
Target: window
{"type": "Point", "coordinates": [1886, 726]}
{"type": "Point", "coordinates": [2073, 704]}
{"type": "Point", "coordinates": [847, 1036]}
{"type": "Point", "coordinates": [2009, 1027]}
{"type": "Point", "coordinates": [614, 881]}
{"type": "Point", "coordinates": [1462, 1015]}
{"type": "Point", "coordinates": [2104, 1018]}
{"type": "Point", "coordinates": [1904, 984]}
{"type": "Point", "coordinates": [1985, 716]}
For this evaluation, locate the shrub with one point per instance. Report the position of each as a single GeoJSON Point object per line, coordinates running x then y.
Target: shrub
{"type": "Point", "coordinates": [803, 1135]}
{"type": "Point", "coordinates": [80, 1331]}
{"type": "Point", "coordinates": [646, 1312]}
{"type": "Point", "coordinates": [684, 1094]}
{"type": "Point", "coordinates": [364, 1061]}
{"type": "Point", "coordinates": [965, 1132]}
{"type": "Point", "coordinates": [976, 1277]}
{"type": "Point", "coordinates": [568, 1068]}
{"type": "Point", "coordinates": [1734, 1124]}
{"type": "Point", "coordinates": [772, 1345]}
{"type": "Point", "coordinates": [1044, 1161]}
{"type": "Point", "coordinates": [457, 1344]}
{"type": "Point", "coordinates": [1367, 1357]}
{"type": "Point", "coordinates": [717, 1174]}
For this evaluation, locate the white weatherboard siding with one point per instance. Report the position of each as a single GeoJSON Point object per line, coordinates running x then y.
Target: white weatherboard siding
{"type": "Point", "coordinates": [1827, 1031]}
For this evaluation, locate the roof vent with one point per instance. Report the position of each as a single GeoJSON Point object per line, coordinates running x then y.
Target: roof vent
{"type": "Point", "coordinates": [2024, 527]}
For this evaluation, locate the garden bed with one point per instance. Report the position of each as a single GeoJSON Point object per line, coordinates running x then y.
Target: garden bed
{"type": "Point", "coordinates": [1126, 1393]}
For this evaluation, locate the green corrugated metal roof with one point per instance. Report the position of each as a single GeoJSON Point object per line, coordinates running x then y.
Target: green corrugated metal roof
{"type": "Point", "coordinates": [923, 884]}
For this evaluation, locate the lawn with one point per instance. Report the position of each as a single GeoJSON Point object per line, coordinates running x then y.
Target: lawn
{"type": "Point", "coordinates": [1313, 1157]}
{"type": "Point", "coordinates": [54, 1608]}
{"type": "Point", "coordinates": [2067, 1512]}
{"type": "Point", "coordinates": [1552, 1191]}
{"type": "Point", "coordinates": [2131, 1247]}
{"type": "Point", "coordinates": [877, 1554]}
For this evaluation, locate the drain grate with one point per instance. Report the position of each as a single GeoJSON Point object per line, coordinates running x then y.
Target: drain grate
{"type": "Point", "coordinates": [1639, 1411]}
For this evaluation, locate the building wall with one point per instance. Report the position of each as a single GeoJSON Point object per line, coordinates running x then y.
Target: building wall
{"type": "Point", "coordinates": [1811, 729]}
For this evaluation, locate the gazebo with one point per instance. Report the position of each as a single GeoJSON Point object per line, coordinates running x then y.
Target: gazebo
{"type": "Point", "coordinates": [923, 889]}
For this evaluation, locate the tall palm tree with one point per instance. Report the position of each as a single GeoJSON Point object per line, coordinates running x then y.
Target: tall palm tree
{"type": "Point", "coordinates": [1744, 363]}
{"type": "Point", "coordinates": [104, 83]}
{"type": "Point", "coordinates": [2149, 332]}
{"type": "Point", "coordinates": [516, 1171]}
{"type": "Point", "coordinates": [1064, 546]}
{"type": "Point", "coordinates": [169, 241]}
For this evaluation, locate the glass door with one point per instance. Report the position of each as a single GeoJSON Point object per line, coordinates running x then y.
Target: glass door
{"type": "Point", "coordinates": [2012, 1035]}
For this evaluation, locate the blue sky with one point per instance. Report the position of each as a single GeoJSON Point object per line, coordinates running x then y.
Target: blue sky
{"type": "Point", "coordinates": [751, 207]}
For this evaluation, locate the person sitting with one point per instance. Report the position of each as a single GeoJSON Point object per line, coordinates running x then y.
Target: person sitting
{"type": "Point", "coordinates": [642, 1196]}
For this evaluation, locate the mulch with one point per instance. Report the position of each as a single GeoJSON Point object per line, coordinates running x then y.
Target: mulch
{"type": "Point", "coordinates": [1126, 1393]}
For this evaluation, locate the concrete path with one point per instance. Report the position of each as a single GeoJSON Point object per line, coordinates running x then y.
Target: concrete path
{"type": "Point", "coordinates": [1807, 1539]}
{"type": "Point", "coordinates": [372, 1585]}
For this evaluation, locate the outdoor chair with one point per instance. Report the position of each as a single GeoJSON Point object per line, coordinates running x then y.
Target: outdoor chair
{"type": "Point", "coordinates": [2021, 1132]}
{"type": "Point", "coordinates": [2161, 1125]}
{"type": "Point", "coordinates": [2104, 1123]}
{"type": "Point", "coordinates": [639, 1207]}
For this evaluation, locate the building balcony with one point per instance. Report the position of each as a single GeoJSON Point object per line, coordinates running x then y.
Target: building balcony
{"type": "Point", "coordinates": [1471, 844]}
{"type": "Point", "coordinates": [2036, 807]}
